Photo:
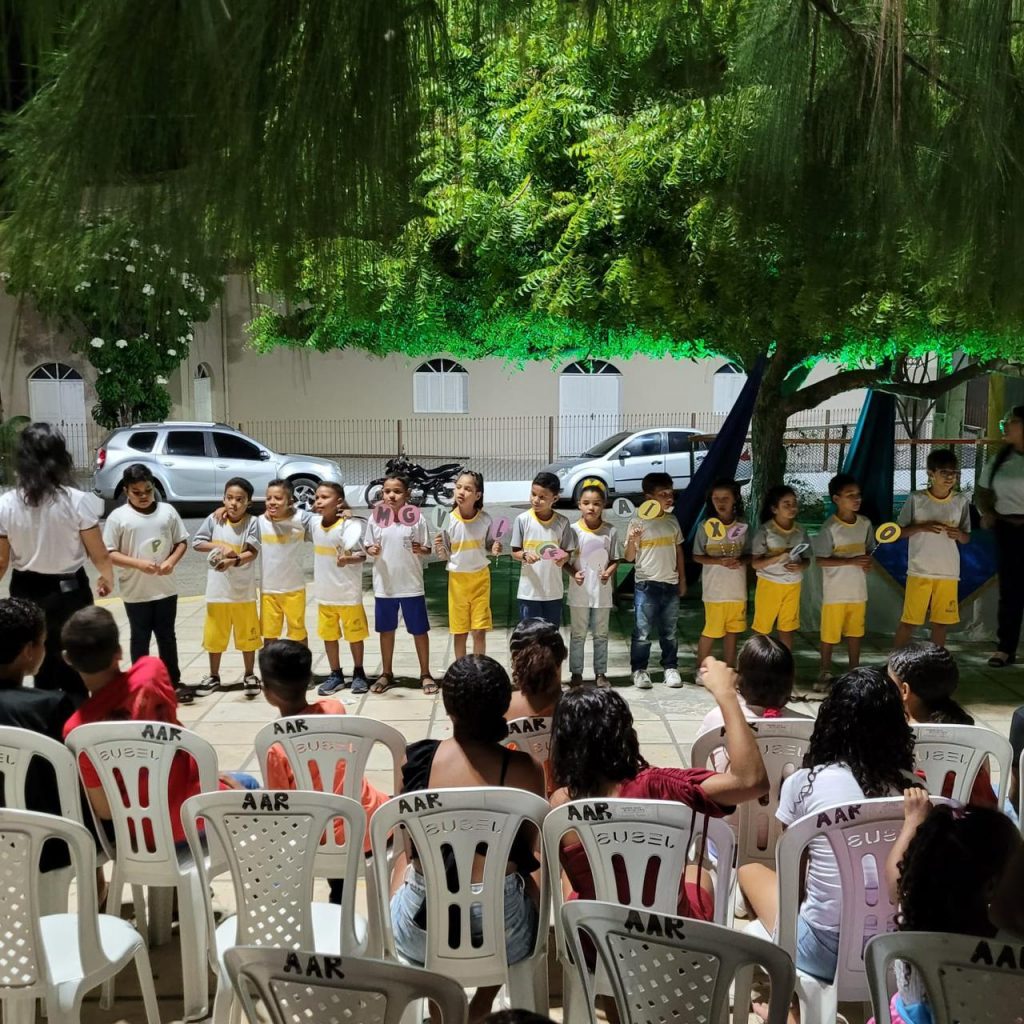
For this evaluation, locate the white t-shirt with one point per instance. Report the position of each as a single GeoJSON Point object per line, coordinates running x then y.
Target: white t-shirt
{"type": "Point", "coordinates": [836, 539]}
{"type": "Point", "coordinates": [468, 541]}
{"type": "Point", "coordinates": [281, 552]}
{"type": "Point", "coordinates": [46, 538]}
{"type": "Point", "coordinates": [397, 570]}
{"type": "Point", "coordinates": [335, 584]}
{"type": "Point", "coordinates": [935, 555]}
{"type": "Point", "coordinates": [657, 548]}
{"type": "Point", "coordinates": [713, 721]}
{"type": "Point", "coordinates": [236, 585]}
{"type": "Point", "coordinates": [594, 550]}
{"type": "Point", "coordinates": [1009, 484]}
{"type": "Point", "coordinates": [719, 584]}
{"type": "Point", "coordinates": [771, 539]}
{"type": "Point", "coordinates": [541, 581]}
{"type": "Point", "coordinates": [151, 536]}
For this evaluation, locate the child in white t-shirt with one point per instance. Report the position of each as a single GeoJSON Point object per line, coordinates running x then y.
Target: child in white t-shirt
{"type": "Point", "coordinates": [283, 530]}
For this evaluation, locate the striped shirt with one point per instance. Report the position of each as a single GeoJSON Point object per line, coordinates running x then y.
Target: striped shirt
{"type": "Point", "coordinates": [468, 541]}
{"type": "Point", "coordinates": [335, 584]}
{"type": "Point", "coordinates": [281, 552]}
{"type": "Point", "coordinates": [656, 550]}
{"type": "Point", "coordinates": [844, 584]}
{"type": "Point", "coordinates": [541, 581]}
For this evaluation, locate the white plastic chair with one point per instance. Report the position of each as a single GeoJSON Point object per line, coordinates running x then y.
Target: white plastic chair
{"type": "Point", "coordinates": [637, 841]}
{"type": "Point", "coordinates": [967, 978]}
{"type": "Point", "coordinates": [663, 967]}
{"type": "Point", "coordinates": [960, 751]}
{"type": "Point", "coordinates": [297, 987]}
{"type": "Point", "coordinates": [58, 957]}
{"type": "Point", "coordinates": [269, 839]}
{"type": "Point", "coordinates": [453, 823]}
{"type": "Point", "coordinates": [532, 734]}
{"type": "Point", "coordinates": [133, 761]}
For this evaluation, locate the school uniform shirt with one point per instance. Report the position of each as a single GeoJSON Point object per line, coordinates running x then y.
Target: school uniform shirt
{"type": "Point", "coordinates": [281, 543]}
{"type": "Point", "coordinates": [656, 549]}
{"type": "Point", "coordinates": [236, 585]}
{"type": "Point", "coordinates": [1008, 484]}
{"type": "Point", "coordinates": [541, 581]}
{"type": "Point", "coordinates": [843, 584]}
{"type": "Point", "coordinates": [468, 541]}
{"type": "Point", "coordinates": [935, 555]}
{"type": "Point", "coordinates": [603, 546]}
{"type": "Point", "coordinates": [151, 536]}
{"type": "Point", "coordinates": [714, 720]}
{"type": "Point", "coordinates": [333, 584]}
{"type": "Point", "coordinates": [46, 538]}
{"type": "Point", "coordinates": [770, 539]}
{"type": "Point", "coordinates": [397, 570]}
{"type": "Point", "coordinates": [719, 584]}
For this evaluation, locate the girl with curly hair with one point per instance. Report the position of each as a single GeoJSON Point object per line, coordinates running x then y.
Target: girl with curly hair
{"type": "Point", "coordinates": [538, 652]}
{"type": "Point", "coordinates": [862, 747]}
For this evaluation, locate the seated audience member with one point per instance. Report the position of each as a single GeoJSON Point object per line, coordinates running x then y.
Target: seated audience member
{"type": "Point", "coordinates": [1017, 743]}
{"type": "Point", "coordinates": [861, 748]}
{"type": "Point", "coordinates": [538, 652]}
{"type": "Point", "coordinates": [476, 693]}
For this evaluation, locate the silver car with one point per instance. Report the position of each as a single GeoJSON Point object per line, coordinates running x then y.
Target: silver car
{"type": "Point", "coordinates": [193, 461]}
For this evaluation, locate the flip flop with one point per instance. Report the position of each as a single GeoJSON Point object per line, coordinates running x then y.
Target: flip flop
{"type": "Point", "coordinates": [383, 683]}
{"type": "Point", "coordinates": [429, 685]}
{"type": "Point", "coordinates": [1000, 660]}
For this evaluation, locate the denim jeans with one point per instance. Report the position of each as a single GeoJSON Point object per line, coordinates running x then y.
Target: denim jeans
{"type": "Point", "coordinates": [656, 607]}
{"type": "Point", "coordinates": [595, 622]}
{"type": "Point", "coordinates": [549, 610]}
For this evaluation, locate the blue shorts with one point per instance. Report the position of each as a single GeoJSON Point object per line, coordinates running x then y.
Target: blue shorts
{"type": "Point", "coordinates": [550, 610]}
{"type": "Point", "coordinates": [414, 614]}
{"type": "Point", "coordinates": [817, 951]}
{"type": "Point", "coordinates": [411, 940]}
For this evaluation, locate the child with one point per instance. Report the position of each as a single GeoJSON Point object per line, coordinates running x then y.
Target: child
{"type": "Point", "coordinates": [777, 597]}
{"type": "Point", "coordinates": [282, 584]}
{"type": "Point", "coordinates": [537, 652]}
{"type": "Point", "coordinates": [465, 543]}
{"type": "Point", "coordinates": [724, 576]}
{"type": "Point", "coordinates": [287, 668]}
{"type": "Point", "coordinates": [656, 546]}
{"type": "Point", "coordinates": [843, 549]}
{"type": "Point", "coordinates": [935, 520]}
{"type": "Point", "coordinates": [397, 551]}
{"type": "Point", "coordinates": [231, 586]}
{"type": "Point", "coordinates": [146, 539]}
{"type": "Point", "coordinates": [338, 585]}
{"type": "Point", "coordinates": [597, 556]}
{"type": "Point", "coordinates": [540, 581]}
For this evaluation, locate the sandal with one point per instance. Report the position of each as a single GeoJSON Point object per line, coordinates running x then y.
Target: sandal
{"type": "Point", "coordinates": [383, 683]}
{"type": "Point", "coordinates": [1000, 660]}
{"type": "Point", "coordinates": [429, 684]}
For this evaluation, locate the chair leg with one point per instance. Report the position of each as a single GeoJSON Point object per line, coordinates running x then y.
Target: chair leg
{"type": "Point", "coordinates": [141, 918]}
{"type": "Point", "coordinates": [743, 984]}
{"type": "Point", "coordinates": [146, 987]}
{"type": "Point", "coordinates": [222, 1008]}
{"type": "Point", "coordinates": [192, 934]}
{"type": "Point", "coordinates": [161, 913]}
{"type": "Point", "coordinates": [115, 893]}
{"type": "Point", "coordinates": [19, 1010]}
{"type": "Point", "coordinates": [574, 997]}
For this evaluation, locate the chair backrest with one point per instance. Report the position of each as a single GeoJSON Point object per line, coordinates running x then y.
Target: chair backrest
{"type": "Point", "coordinates": [952, 755]}
{"type": "Point", "coordinates": [663, 967]}
{"type": "Point", "coordinates": [18, 749]}
{"type": "Point", "coordinates": [638, 851]}
{"type": "Point", "coordinates": [133, 761]}
{"type": "Point", "coordinates": [532, 734]}
{"type": "Point", "coordinates": [269, 840]}
{"type": "Point", "coordinates": [782, 742]}
{"type": "Point", "coordinates": [298, 986]}
{"type": "Point", "coordinates": [449, 829]}
{"type": "Point", "coordinates": [23, 967]}
{"type": "Point", "coordinates": [966, 978]}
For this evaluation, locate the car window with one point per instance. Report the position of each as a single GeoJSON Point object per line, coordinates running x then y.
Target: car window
{"type": "Point", "coordinates": [679, 441]}
{"type": "Point", "coordinates": [142, 440]}
{"type": "Point", "coordinates": [185, 442]}
{"type": "Point", "coordinates": [604, 447]}
{"type": "Point", "coordinates": [645, 444]}
{"type": "Point", "coordinates": [231, 446]}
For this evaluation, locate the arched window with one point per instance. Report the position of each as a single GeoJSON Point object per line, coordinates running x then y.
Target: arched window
{"type": "Point", "coordinates": [728, 383]}
{"type": "Point", "coordinates": [56, 395]}
{"type": "Point", "coordinates": [440, 386]}
{"type": "Point", "coordinates": [589, 397]}
{"type": "Point", "coordinates": [592, 366]}
{"type": "Point", "coordinates": [54, 371]}
{"type": "Point", "coordinates": [202, 393]}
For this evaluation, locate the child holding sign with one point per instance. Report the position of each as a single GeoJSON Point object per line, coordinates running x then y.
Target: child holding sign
{"type": "Point", "coordinates": [598, 551]}
{"type": "Point", "coordinates": [464, 542]}
{"type": "Point", "coordinates": [722, 546]}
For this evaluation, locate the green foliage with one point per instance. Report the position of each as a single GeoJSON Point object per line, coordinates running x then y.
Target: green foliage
{"type": "Point", "coordinates": [9, 431]}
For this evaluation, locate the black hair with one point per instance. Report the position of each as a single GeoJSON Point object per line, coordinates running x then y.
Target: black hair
{"type": "Point", "coordinates": [942, 458]}
{"type": "Point", "coordinates": [549, 482]}
{"type": "Point", "coordinates": [338, 489]}
{"type": "Point", "coordinates": [241, 483]}
{"type": "Point", "coordinates": [478, 483]}
{"type": "Point", "coordinates": [766, 670]}
{"type": "Point", "coordinates": [90, 639]}
{"type": "Point", "coordinates": [21, 623]}
{"type": "Point", "coordinates": [724, 483]}
{"type": "Point", "coordinates": [1016, 413]}
{"type": "Point", "coordinates": [43, 462]}
{"type": "Point", "coordinates": [954, 850]}
{"type": "Point", "coordinates": [656, 482]}
{"type": "Point", "coordinates": [932, 674]}
{"type": "Point", "coordinates": [862, 724]}
{"type": "Point", "coordinates": [839, 482]}
{"type": "Point", "coordinates": [285, 486]}
{"type": "Point", "coordinates": [286, 667]}
{"type": "Point", "coordinates": [137, 473]}
{"type": "Point", "coordinates": [398, 478]}
{"type": "Point", "coordinates": [538, 651]}
{"type": "Point", "coordinates": [772, 498]}
{"type": "Point", "coordinates": [476, 693]}
{"type": "Point", "coordinates": [593, 741]}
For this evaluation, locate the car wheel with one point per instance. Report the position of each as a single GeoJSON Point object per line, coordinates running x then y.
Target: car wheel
{"type": "Point", "coordinates": [304, 491]}
{"type": "Point", "coordinates": [578, 491]}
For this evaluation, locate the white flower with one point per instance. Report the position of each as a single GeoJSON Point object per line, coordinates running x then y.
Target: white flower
{"type": "Point", "coordinates": [189, 336]}
{"type": "Point", "coordinates": [96, 343]}
{"type": "Point", "coordinates": [161, 380]}
{"type": "Point", "coordinates": [82, 285]}
{"type": "Point", "coordinates": [145, 334]}
{"type": "Point", "coordinates": [148, 289]}
{"type": "Point", "coordinates": [130, 267]}
{"type": "Point", "coordinates": [182, 340]}
{"type": "Point", "coordinates": [133, 243]}
{"type": "Point", "coordinates": [120, 343]}
{"type": "Point", "coordinates": [182, 312]}
{"type": "Point", "coordinates": [202, 294]}
{"type": "Point", "coordinates": [172, 351]}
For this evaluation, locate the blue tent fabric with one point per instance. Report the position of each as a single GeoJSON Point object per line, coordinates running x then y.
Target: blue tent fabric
{"type": "Point", "coordinates": [977, 562]}
{"type": "Point", "coordinates": [870, 457]}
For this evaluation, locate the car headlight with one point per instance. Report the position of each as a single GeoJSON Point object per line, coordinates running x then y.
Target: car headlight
{"type": "Point", "coordinates": [563, 473]}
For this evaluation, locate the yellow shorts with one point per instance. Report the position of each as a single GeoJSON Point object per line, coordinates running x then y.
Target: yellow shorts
{"type": "Point", "coordinates": [222, 619]}
{"type": "Point", "coordinates": [839, 620]}
{"type": "Point", "coordinates": [469, 600]}
{"type": "Point", "coordinates": [333, 621]}
{"type": "Point", "coordinates": [276, 609]}
{"type": "Point", "coordinates": [923, 591]}
{"type": "Point", "coordinates": [721, 617]}
{"type": "Point", "coordinates": [776, 601]}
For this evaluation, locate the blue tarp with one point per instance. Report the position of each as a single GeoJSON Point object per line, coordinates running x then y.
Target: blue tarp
{"type": "Point", "coordinates": [870, 457]}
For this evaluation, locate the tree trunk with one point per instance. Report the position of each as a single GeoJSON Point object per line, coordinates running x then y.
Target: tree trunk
{"type": "Point", "coordinates": [767, 430]}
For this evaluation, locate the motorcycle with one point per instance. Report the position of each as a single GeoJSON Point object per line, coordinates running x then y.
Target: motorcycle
{"type": "Point", "coordinates": [437, 482]}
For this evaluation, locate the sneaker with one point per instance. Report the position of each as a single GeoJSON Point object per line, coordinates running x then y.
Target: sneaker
{"type": "Point", "coordinates": [673, 678]}
{"type": "Point", "coordinates": [251, 686]}
{"type": "Point", "coordinates": [823, 684]}
{"type": "Point", "coordinates": [360, 684]}
{"type": "Point", "coordinates": [185, 694]}
{"type": "Point", "coordinates": [207, 685]}
{"type": "Point", "coordinates": [642, 679]}
{"type": "Point", "coordinates": [576, 679]}
{"type": "Point", "coordinates": [332, 684]}
{"type": "Point", "coordinates": [601, 681]}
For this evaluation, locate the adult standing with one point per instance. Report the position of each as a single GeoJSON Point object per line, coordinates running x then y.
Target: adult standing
{"type": "Point", "coordinates": [1000, 499]}
{"type": "Point", "coordinates": [47, 531]}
